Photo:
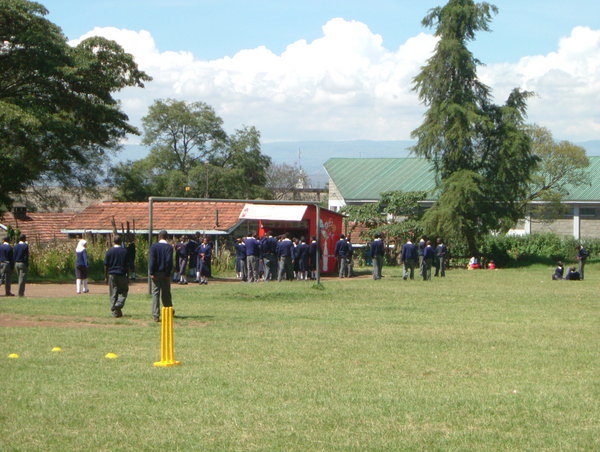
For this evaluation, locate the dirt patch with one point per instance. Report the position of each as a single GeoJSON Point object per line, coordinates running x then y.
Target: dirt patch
{"type": "Point", "coordinates": [61, 321]}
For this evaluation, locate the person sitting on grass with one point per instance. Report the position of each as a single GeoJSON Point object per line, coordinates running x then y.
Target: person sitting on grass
{"type": "Point", "coordinates": [558, 272]}
{"type": "Point", "coordinates": [573, 275]}
{"type": "Point", "coordinates": [473, 263]}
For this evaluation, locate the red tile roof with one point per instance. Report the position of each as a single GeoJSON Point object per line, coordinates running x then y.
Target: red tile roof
{"type": "Point", "coordinates": [177, 217]}
{"type": "Point", "coordinates": [38, 226]}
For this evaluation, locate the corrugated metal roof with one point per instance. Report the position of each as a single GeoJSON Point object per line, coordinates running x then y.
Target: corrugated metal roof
{"type": "Point", "coordinates": [587, 192]}
{"type": "Point", "coordinates": [365, 179]}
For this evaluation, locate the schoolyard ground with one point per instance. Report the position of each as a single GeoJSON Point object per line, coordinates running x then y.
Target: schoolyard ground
{"type": "Point", "coordinates": [479, 360]}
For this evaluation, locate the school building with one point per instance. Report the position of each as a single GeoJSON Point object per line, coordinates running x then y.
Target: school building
{"type": "Point", "coordinates": [354, 181]}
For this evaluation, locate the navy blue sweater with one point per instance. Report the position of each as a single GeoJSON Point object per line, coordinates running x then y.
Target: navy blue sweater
{"type": "Point", "coordinates": [21, 253]}
{"type": "Point", "coordinates": [161, 258]}
{"type": "Point", "coordinates": [252, 247]}
{"type": "Point", "coordinates": [6, 253]}
{"type": "Point", "coordinates": [409, 251]}
{"type": "Point", "coordinates": [377, 248]}
{"type": "Point", "coordinates": [116, 261]}
{"type": "Point", "coordinates": [285, 248]}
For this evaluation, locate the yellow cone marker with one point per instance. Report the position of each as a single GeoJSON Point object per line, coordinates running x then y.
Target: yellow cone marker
{"type": "Point", "coordinates": [57, 349]}
{"type": "Point", "coordinates": [111, 355]}
{"type": "Point", "coordinates": [167, 346]}
{"type": "Point", "coordinates": [13, 356]}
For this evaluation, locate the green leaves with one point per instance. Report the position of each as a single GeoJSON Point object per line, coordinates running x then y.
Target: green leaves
{"type": "Point", "coordinates": [480, 151]}
{"type": "Point", "coordinates": [58, 119]}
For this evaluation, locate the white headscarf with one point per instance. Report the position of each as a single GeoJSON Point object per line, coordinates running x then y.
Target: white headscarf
{"type": "Point", "coordinates": [81, 246]}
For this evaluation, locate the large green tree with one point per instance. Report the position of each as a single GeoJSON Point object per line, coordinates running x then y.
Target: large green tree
{"type": "Point", "coordinates": [58, 119]}
{"type": "Point", "coordinates": [480, 151]}
{"type": "Point", "coordinates": [192, 156]}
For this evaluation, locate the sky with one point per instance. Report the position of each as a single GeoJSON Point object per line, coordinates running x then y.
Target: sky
{"type": "Point", "coordinates": [341, 69]}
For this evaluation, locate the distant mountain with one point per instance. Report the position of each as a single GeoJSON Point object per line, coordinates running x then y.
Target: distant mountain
{"type": "Point", "coordinates": [313, 154]}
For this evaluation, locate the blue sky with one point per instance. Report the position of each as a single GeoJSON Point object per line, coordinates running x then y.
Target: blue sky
{"type": "Point", "coordinates": [310, 69]}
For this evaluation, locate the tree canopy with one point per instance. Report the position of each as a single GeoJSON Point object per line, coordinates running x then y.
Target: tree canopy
{"type": "Point", "coordinates": [58, 119]}
{"type": "Point", "coordinates": [192, 156]}
{"type": "Point", "coordinates": [480, 151]}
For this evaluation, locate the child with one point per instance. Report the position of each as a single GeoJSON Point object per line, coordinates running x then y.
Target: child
{"type": "Point", "coordinates": [473, 263]}
{"type": "Point", "coordinates": [558, 272]}
{"type": "Point", "coordinates": [492, 265]}
{"type": "Point", "coordinates": [573, 274]}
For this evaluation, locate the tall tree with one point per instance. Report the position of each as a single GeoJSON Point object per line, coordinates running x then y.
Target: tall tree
{"type": "Point", "coordinates": [192, 156]}
{"type": "Point", "coordinates": [474, 145]}
{"type": "Point", "coordinates": [284, 180]}
{"type": "Point", "coordinates": [58, 119]}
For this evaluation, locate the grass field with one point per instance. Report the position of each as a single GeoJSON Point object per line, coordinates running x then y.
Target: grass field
{"type": "Point", "coordinates": [480, 360]}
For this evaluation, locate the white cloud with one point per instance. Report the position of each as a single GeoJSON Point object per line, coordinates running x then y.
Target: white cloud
{"type": "Point", "coordinates": [347, 85]}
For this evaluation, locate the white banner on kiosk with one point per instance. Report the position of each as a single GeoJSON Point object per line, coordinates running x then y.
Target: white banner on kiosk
{"type": "Point", "coordinates": [273, 212]}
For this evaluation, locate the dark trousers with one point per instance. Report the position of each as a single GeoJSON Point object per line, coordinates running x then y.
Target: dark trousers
{"type": "Point", "coordinates": [409, 268]}
{"type": "Point", "coordinates": [377, 266]}
{"type": "Point", "coordinates": [22, 268]}
{"type": "Point", "coordinates": [6, 275]}
{"type": "Point", "coordinates": [285, 266]}
{"type": "Point", "coordinates": [161, 291]}
{"type": "Point", "coordinates": [118, 288]}
{"type": "Point", "coordinates": [440, 266]}
{"type": "Point", "coordinates": [427, 264]}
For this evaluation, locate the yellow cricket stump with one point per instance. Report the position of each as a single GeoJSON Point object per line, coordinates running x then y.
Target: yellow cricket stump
{"type": "Point", "coordinates": [167, 352]}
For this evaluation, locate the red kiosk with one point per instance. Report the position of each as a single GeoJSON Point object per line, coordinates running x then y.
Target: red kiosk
{"type": "Point", "coordinates": [299, 220]}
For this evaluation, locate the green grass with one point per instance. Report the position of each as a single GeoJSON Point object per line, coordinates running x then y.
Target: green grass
{"type": "Point", "coordinates": [480, 360]}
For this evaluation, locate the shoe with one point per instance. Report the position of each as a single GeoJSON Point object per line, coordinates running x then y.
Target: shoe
{"type": "Point", "coordinates": [86, 291]}
{"type": "Point", "coordinates": [117, 313]}
{"type": "Point", "coordinates": [157, 319]}
{"type": "Point", "coordinates": [10, 294]}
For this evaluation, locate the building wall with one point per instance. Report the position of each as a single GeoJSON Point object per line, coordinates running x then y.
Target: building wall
{"type": "Point", "coordinates": [336, 200]}
{"type": "Point", "coordinates": [563, 226]}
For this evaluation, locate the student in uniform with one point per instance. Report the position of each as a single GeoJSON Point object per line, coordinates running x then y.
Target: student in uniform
{"type": "Point", "coordinates": [240, 258]}
{"type": "Point", "coordinates": [559, 271]}
{"type": "Point", "coordinates": [21, 255]}
{"type": "Point", "coordinates": [116, 266]}
{"type": "Point", "coordinates": [252, 255]}
{"type": "Point", "coordinates": [440, 258]}
{"type": "Point", "coordinates": [285, 255]}
{"type": "Point", "coordinates": [182, 252]}
{"type": "Point", "coordinates": [302, 258]}
{"type": "Point", "coordinates": [204, 254]}
{"type": "Point", "coordinates": [341, 253]}
{"type": "Point", "coordinates": [350, 266]}
{"type": "Point", "coordinates": [7, 263]}
{"type": "Point", "coordinates": [81, 267]}
{"type": "Point", "coordinates": [161, 267]}
{"type": "Point", "coordinates": [377, 251]}
{"type": "Point", "coordinates": [409, 258]}
{"type": "Point", "coordinates": [421, 251]}
{"type": "Point", "coordinates": [268, 246]}
{"type": "Point", "coordinates": [428, 257]}
{"type": "Point", "coordinates": [312, 257]}
{"type": "Point", "coordinates": [582, 256]}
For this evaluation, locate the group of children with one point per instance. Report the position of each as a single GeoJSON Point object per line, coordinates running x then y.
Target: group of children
{"type": "Point", "coordinates": [268, 258]}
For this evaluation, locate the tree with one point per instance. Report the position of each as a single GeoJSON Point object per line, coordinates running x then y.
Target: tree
{"type": "Point", "coordinates": [58, 119]}
{"type": "Point", "coordinates": [476, 147]}
{"type": "Point", "coordinates": [560, 165]}
{"type": "Point", "coordinates": [192, 156]}
{"type": "Point", "coordinates": [284, 180]}
{"type": "Point", "coordinates": [181, 135]}
{"type": "Point", "coordinates": [397, 216]}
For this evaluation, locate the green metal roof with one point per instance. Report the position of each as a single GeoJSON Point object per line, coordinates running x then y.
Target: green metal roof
{"type": "Point", "coordinates": [587, 192]}
{"type": "Point", "coordinates": [365, 179]}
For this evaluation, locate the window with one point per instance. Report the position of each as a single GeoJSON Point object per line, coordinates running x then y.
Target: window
{"type": "Point", "coordinates": [587, 212]}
